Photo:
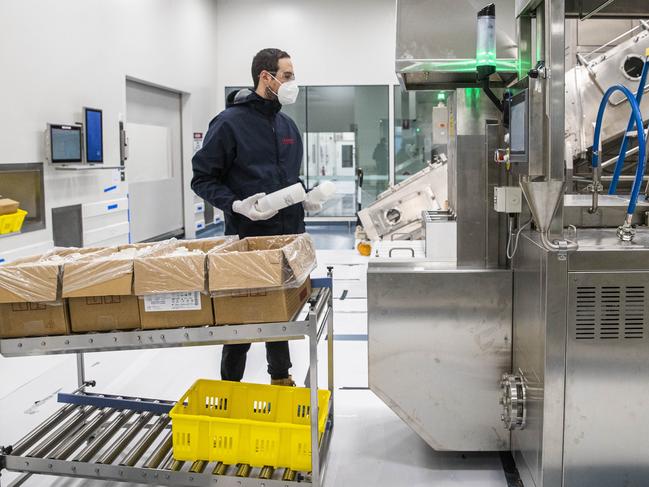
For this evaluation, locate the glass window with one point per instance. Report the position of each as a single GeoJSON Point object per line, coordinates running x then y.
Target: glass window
{"type": "Point", "coordinates": [420, 130]}
{"type": "Point", "coordinates": [347, 130]}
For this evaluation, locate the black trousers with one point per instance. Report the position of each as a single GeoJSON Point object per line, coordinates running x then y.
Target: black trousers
{"type": "Point", "coordinates": [233, 360]}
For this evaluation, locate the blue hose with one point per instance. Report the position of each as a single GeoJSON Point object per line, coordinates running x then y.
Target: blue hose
{"type": "Point", "coordinates": [637, 116]}
{"type": "Point", "coordinates": [620, 159]}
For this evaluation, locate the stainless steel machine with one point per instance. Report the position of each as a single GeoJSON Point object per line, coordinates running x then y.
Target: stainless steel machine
{"type": "Point", "coordinates": [578, 390]}
{"type": "Point", "coordinates": [536, 341]}
{"type": "Point", "coordinates": [396, 213]}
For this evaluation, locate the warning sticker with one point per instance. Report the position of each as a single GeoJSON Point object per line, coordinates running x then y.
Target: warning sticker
{"type": "Point", "coordinates": [173, 301]}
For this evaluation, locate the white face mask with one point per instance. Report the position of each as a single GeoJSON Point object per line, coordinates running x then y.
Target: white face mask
{"type": "Point", "coordinates": [287, 92]}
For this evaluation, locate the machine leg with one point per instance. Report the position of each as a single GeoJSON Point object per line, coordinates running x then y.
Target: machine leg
{"type": "Point", "coordinates": [330, 344]}
{"type": "Point", "coordinates": [313, 385]}
{"type": "Point", "coordinates": [81, 371]}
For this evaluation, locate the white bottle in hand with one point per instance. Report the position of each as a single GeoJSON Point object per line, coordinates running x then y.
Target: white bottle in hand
{"type": "Point", "coordinates": [321, 193]}
{"type": "Point", "coordinates": [283, 198]}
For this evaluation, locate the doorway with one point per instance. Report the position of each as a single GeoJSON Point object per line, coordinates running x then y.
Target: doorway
{"type": "Point", "coordinates": [154, 166]}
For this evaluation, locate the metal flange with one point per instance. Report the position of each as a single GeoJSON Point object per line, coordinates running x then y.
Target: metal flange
{"type": "Point", "coordinates": [514, 402]}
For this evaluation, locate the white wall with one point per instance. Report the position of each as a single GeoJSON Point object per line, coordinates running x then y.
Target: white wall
{"type": "Point", "coordinates": [59, 56]}
{"type": "Point", "coordinates": [337, 42]}
{"type": "Point", "coordinates": [56, 57]}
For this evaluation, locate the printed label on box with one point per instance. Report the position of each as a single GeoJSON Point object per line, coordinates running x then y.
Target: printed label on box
{"type": "Point", "coordinates": [188, 301]}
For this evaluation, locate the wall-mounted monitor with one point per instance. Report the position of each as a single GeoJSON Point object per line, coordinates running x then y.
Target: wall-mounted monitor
{"type": "Point", "coordinates": [94, 135]}
{"type": "Point", "coordinates": [64, 143]}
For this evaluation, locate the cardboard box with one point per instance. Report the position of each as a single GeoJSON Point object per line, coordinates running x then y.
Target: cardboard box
{"type": "Point", "coordinates": [172, 284]}
{"type": "Point", "coordinates": [269, 263]}
{"type": "Point", "coordinates": [29, 280]}
{"type": "Point", "coordinates": [104, 313]}
{"type": "Point", "coordinates": [259, 306]}
{"type": "Point", "coordinates": [107, 275]}
{"type": "Point", "coordinates": [261, 279]}
{"type": "Point", "coordinates": [99, 289]}
{"type": "Point", "coordinates": [33, 319]}
{"type": "Point", "coordinates": [30, 294]}
{"type": "Point", "coordinates": [8, 206]}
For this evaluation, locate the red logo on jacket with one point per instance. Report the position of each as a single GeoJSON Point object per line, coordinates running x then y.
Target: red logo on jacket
{"type": "Point", "coordinates": [288, 141]}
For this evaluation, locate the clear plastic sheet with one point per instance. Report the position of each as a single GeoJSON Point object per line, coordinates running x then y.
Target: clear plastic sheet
{"type": "Point", "coordinates": [261, 263]}
{"type": "Point", "coordinates": [109, 274]}
{"type": "Point", "coordinates": [179, 268]}
{"type": "Point", "coordinates": [36, 279]}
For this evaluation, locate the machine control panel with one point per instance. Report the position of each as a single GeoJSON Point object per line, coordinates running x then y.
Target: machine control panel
{"type": "Point", "coordinates": [507, 199]}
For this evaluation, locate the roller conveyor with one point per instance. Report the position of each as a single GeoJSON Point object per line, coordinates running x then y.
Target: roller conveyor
{"type": "Point", "coordinates": [131, 446]}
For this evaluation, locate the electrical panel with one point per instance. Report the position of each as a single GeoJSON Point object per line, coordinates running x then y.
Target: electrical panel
{"type": "Point", "coordinates": [507, 199]}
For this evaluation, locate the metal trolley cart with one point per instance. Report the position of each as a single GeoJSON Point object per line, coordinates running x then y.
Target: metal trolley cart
{"type": "Point", "coordinates": [127, 439]}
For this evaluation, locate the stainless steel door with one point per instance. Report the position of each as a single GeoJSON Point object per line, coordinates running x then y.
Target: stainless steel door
{"type": "Point", "coordinates": [154, 167]}
{"type": "Point", "coordinates": [606, 440]}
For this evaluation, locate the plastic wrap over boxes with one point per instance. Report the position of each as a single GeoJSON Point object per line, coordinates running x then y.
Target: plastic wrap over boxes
{"type": "Point", "coordinates": [261, 279]}
{"type": "Point", "coordinates": [156, 285]}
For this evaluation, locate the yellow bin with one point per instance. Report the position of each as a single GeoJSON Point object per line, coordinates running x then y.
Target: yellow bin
{"type": "Point", "coordinates": [12, 222]}
{"type": "Point", "coordinates": [256, 424]}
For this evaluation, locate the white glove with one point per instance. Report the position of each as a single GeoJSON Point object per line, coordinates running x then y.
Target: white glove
{"type": "Point", "coordinates": [310, 206]}
{"type": "Point", "coordinates": [247, 208]}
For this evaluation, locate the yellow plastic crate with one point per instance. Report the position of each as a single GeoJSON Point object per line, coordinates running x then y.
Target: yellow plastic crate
{"type": "Point", "coordinates": [12, 222]}
{"type": "Point", "coordinates": [256, 424]}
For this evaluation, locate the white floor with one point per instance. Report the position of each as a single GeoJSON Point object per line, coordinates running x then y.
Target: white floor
{"type": "Point", "coordinates": [371, 446]}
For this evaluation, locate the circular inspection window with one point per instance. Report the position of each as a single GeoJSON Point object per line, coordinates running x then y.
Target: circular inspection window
{"type": "Point", "coordinates": [393, 216]}
{"type": "Point", "coordinates": [632, 67]}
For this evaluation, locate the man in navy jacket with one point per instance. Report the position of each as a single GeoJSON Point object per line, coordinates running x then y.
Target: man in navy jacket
{"type": "Point", "coordinates": [252, 149]}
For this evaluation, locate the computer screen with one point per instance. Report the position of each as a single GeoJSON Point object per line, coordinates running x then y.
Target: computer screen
{"type": "Point", "coordinates": [66, 143]}
{"type": "Point", "coordinates": [94, 135]}
{"type": "Point", "coordinates": [518, 128]}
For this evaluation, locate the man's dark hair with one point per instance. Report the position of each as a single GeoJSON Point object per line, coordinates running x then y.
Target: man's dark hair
{"type": "Point", "coordinates": [266, 60]}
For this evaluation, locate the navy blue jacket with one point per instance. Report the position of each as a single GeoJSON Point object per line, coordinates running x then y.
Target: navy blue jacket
{"type": "Point", "coordinates": [250, 147]}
